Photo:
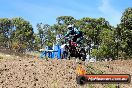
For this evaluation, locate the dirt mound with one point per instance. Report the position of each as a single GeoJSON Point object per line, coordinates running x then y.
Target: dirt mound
{"type": "Point", "coordinates": [12, 52]}
{"type": "Point", "coordinates": [35, 73]}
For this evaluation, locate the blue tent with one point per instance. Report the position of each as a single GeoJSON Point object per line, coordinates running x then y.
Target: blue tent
{"type": "Point", "coordinates": [52, 52]}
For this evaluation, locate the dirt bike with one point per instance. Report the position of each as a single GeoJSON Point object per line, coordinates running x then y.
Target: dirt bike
{"type": "Point", "coordinates": [74, 50]}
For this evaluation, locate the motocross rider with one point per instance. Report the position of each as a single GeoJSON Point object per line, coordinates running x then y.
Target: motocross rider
{"type": "Point", "coordinates": [76, 33]}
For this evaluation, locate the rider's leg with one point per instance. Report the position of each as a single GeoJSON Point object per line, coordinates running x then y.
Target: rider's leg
{"type": "Point", "coordinates": [65, 54]}
{"type": "Point", "coordinates": [79, 40]}
{"type": "Point", "coordinates": [74, 39]}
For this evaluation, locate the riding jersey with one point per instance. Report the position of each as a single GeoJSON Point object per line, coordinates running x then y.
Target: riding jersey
{"type": "Point", "coordinates": [72, 32]}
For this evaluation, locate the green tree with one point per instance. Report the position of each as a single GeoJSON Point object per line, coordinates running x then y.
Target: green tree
{"type": "Point", "coordinates": [65, 20]}
{"type": "Point", "coordinates": [125, 28]}
{"type": "Point", "coordinates": [106, 49]}
{"type": "Point", "coordinates": [5, 31]}
{"type": "Point", "coordinates": [36, 43]}
{"type": "Point", "coordinates": [46, 34]}
{"type": "Point", "coordinates": [23, 33]}
{"type": "Point", "coordinates": [92, 27]}
{"type": "Point", "coordinates": [62, 23]}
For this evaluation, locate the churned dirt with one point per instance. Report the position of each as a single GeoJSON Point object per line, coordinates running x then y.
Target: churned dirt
{"type": "Point", "coordinates": [25, 72]}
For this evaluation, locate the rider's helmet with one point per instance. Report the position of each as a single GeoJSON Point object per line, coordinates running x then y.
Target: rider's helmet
{"type": "Point", "coordinates": [70, 27]}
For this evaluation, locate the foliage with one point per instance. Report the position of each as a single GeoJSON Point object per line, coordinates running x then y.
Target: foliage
{"type": "Point", "coordinates": [23, 33]}
{"type": "Point", "coordinates": [125, 28]}
{"type": "Point", "coordinates": [92, 28]}
{"type": "Point", "coordinates": [107, 47]}
{"type": "Point", "coordinates": [116, 43]}
{"type": "Point", "coordinates": [46, 34]}
{"type": "Point", "coordinates": [111, 86]}
{"type": "Point", "coordinates": [16, 30]}
{"type": "Point", "coordinates": [92, 70]}
{"type": "Point", "coordinates": [65, 20]}
{"type": "Point", "coordinates": [1, 57]}
{"type": "Point", "coordinates": [5, 31]}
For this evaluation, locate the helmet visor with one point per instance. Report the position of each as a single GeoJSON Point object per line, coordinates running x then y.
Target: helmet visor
{"type": "Point", "coordinates": [70, 28]}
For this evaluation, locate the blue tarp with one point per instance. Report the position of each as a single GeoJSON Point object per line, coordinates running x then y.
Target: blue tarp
{"type": "Point", "coordinates": [49, 52]}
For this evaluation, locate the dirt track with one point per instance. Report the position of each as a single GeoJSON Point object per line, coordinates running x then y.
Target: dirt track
{"type": "Point", "coordinates": [34, 73]}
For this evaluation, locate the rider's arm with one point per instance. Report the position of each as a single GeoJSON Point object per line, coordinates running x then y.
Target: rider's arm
{"type": "Point", "coordinates": [67, 34]}
{"type": "Point", "coordinates": [76, 30]}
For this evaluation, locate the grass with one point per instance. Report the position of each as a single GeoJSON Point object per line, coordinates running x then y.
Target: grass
{"type": "Point", "coordinates": [90, 86]}
{"type": "Point", "coordinates": [92, 70]}
{"type": "Point", "coordinates": [4, 56]}
{"type": "Point", "coordinates": [34, 53]}
{"type": "Point", "coordinates": [111, 86]}
{"type": "Point", "coordinates": [1, 57]}
{"type": "Point", "coordinates": [46, 58]}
